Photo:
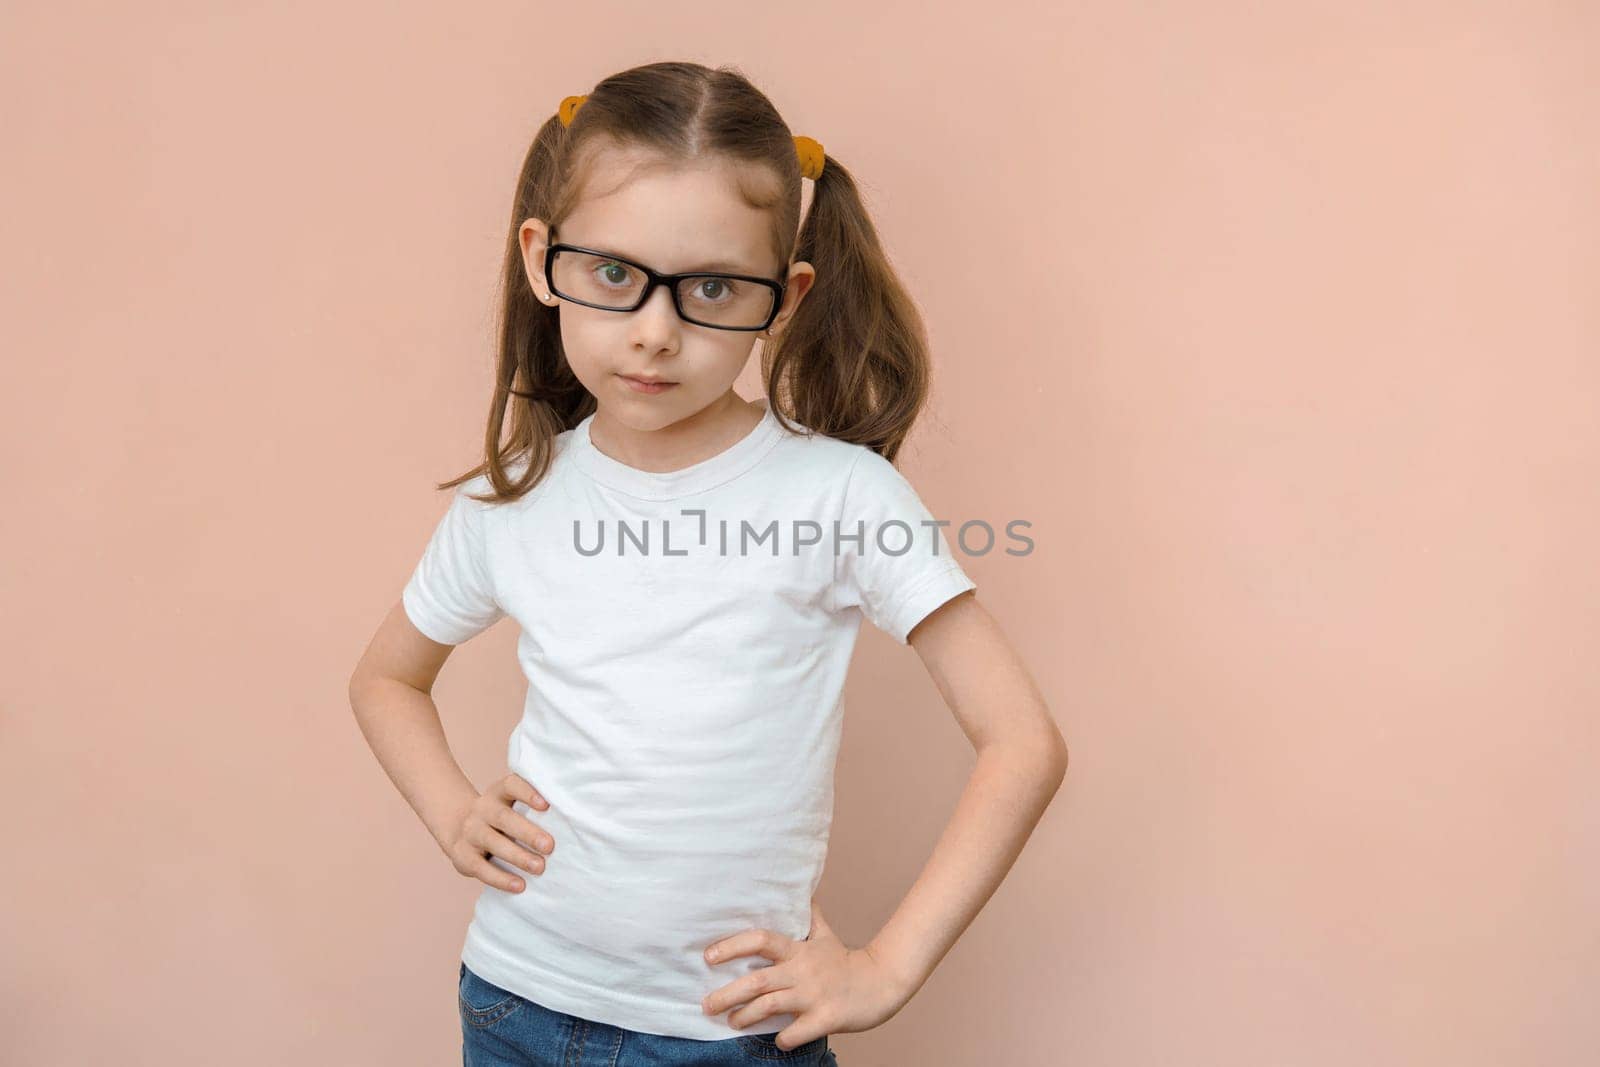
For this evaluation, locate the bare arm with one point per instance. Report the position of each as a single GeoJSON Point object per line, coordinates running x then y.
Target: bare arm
{"type": "Point", "coordinates": [391, 694]}
{"type": "Point", "coordinates": [1022, 760]}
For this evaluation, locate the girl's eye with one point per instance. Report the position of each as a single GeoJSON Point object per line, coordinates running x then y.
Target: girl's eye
{"type": "Point", "coordinates": [715, 290]}
{"type": "Point", "coordinates": [614, 273]}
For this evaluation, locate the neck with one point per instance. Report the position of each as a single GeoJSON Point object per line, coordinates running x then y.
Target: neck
{"type": "Point", "coordinates": [696, 437]}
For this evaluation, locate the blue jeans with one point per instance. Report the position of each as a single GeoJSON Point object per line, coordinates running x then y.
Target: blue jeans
{"type": "Point", "coordinates": [501, 1029]}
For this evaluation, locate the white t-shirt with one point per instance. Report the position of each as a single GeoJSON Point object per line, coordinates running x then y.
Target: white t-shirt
{"type": "Point", "coordinates": [684, 701]}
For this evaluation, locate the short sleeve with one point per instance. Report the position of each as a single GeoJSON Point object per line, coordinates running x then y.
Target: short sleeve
{"type": "Point", "coordinates": [450, 595]}
{"type": "Point", "coordinates": [900, 567]}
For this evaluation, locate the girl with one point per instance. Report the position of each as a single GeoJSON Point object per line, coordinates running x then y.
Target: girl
{"type": "Point", "coordinates": [689, 572]}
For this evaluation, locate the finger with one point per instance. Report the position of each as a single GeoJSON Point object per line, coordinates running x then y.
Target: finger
{"type": "Point", "coordinates": [489, 874]}
{"type": "Point", "coordinates": [792, 1037]}
{"type": "Point", "coordinates": [769, 943]}
{"type": "Point", "coordinates": [776, 1002]}
{"type": "Point", "coordinates": [496, 843]}
{"type": "Point", "coordinates": [519, 827]}
{"type": "Point", "coordinates": [745, 989]}
{"type": "Point", "coordinates": [516, 787]}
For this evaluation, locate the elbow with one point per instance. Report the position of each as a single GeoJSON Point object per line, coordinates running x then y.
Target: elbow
{"type": "Point", "coordinates": [1041, 755]}
{"type": "Point", "coordinates": [1053, 746]}
{"type": "Point", "coordinates": [1057, 756]}
{"type": "Point", "coordinates": [360, 682]}
{"type": "Point", "coordinates": [1061, 749]}
{"type": "Point", "coordinates": [1048, 743]}
{"type": "Point", "coordinates": [1060, 759]}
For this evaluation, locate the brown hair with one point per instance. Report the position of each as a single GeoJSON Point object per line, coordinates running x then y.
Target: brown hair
{"type": "Point", "coordinates": [851, 362]}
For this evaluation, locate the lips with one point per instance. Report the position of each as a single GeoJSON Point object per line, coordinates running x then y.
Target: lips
{"type": "Point", "coordinates": [647, 385]}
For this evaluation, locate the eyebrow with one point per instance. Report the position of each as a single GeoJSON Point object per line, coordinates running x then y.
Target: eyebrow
{"type": "Point", "coordinates": [724, 266]}
{"type": "Point", "coordinates": [728, 267]}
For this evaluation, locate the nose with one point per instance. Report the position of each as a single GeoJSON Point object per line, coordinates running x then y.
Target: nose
{"type": "Point", "coordinates": [656, 322]}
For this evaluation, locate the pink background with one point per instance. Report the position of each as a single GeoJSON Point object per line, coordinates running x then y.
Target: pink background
{"type": "Point", "coordinates": [1278, 322]}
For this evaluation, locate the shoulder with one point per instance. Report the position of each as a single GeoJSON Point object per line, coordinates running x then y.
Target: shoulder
{"type": "Point", "coordinates": [830, 457]}
{"type": "Point", "coordinates": [476, 491]}
{"type": "Point", "coordinates": [849, 476]}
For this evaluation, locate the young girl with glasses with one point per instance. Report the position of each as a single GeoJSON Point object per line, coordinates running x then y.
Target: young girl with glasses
{"type": "Point", "coordinates": [689, 571]}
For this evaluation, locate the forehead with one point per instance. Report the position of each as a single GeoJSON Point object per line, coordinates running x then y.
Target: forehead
{"type": "Point", "coordinates": [670, 215]}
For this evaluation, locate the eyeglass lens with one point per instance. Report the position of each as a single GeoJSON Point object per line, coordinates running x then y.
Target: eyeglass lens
{"type": "Point", "coordinates": [707, 299]}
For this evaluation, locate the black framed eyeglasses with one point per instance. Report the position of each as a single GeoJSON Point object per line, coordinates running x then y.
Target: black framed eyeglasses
{"type": "Point", "coordinates": [610, 282]}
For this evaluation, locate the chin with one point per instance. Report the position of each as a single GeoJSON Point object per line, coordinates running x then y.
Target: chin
{"type": "Point", "coordinates": [642, 411]}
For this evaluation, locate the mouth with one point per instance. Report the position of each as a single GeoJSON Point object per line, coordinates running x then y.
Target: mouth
{"type": "Point", "coordinates": [646, 385]}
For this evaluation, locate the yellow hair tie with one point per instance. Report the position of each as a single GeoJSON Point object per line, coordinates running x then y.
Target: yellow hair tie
{"type": "Point", "coordinates": [808, 152]}
{"type": "Point", "coordinates": [811, 157]}
{"type": "Point", "coordinates": [569, 108]}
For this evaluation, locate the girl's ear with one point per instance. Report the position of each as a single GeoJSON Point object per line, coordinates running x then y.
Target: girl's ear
{"type": "Point", "coordinates": [534, 237]}
{"type": "Point", "coordinates": [801, 277]}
